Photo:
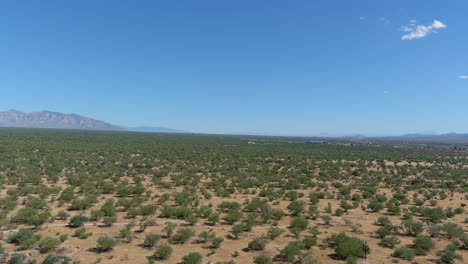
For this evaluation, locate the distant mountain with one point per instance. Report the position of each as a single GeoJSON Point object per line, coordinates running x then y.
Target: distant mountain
{"type": "Point", "coordinates": [154, 129]}
{"type": "Point", "coordinates": [46, 119]}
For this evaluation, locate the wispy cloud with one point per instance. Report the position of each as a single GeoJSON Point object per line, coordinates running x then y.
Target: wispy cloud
{"type": "Point", "coordinates": [463, 76]}
{"type": "Point", "coordinates": [384, 20]}
{"type": "Point", "coordinates": [414, 31]}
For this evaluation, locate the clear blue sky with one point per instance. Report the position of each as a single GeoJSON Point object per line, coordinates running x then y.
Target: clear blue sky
{"type": "Point", "coordinates": [233, 66]}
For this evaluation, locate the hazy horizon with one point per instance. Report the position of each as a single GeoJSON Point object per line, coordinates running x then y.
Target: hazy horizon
{"type": "Point", "coordinates": [302, 68]}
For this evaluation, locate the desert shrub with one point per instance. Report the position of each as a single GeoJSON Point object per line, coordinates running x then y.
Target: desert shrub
{"type": "Point", "coordinates": [20, 236]}
{"type": "Point", "coordinates": [326, 219]}
{"type": "Point", "coordinates": [233, 216]}
{"type": "Point", "coordinates": [452, 230]}
{"type": "Point", "coordinates": [62, 215]}
{"type": "Point", "coordinates": [298, 224]}
{"type": "Point", "coordinates": [127, 234]}
{"type": "Point", "coordinates": [169, 229]}
{"type": "Point", "coordinates": [339, 212]}
{"type": "Point", "coordinates": [422, 245]}
{"type": "Point", "coordinates": [308, 242]}
{"type": "Point", "coordinates": [277, 214]}
{"type": "Point", "coordinates": [404, 253]}
{"type": "Point", "coordinates": [56, 259]}
{"type": "Point", "coordinates": [81, 233]}
{"type": "Point", "coordinates": [105, 244]}
{"type": "Point", "coordinates": [411, 227]}
{"type": "Point", "coordinates": [150, 240]}
{"type": "Point", "coordinates": [448, 255]}
{"type": "Point", "coordinates": [205, 236]}
{"type": "Point", "coordinates": [262, 259]}
{"type": "Point", "coordinates": [296, 207]}
{"type": "Point", "coordinates": [350, 247]}
{"type": "Point", "coordinates": [385, 230]}
{"type": "Point", "coordinates": [20, 259]}
{"type": "Point", "coordinates": [274, 232]}
{"type": "Point", "coordinates": [163, 251]}
{"type": "Point", "coordinates": [216, 242]}
{"type": "Point", "coordinates": [192, 258]}
{"type": "Point", "coordinates": [182, 235]}
{"type": "Point", "coordinates": [375, 205]}
{"type": "Point", "coordinates": [257, 243]}
{"type": "Point", "coordinates": [390, 241]}
{"type": "Point", "coordinates": [213, 218]}
{"type": "Point", "coordinates": [77, 221]}
{"type": "Point", "coordinates": [434, 215]}
{"type": "Point", "coordinates": [148, 209]}
{"type": "Point", "coordinates": [31, 216]}
{"type": "Point", "coordinates": [290, 251]}
{"type": "Point", "coordinates": [48, 244]}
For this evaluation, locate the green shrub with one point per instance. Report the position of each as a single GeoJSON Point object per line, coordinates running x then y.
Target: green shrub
{"type": "Point", "coordinates": [105, 244]}
{"type": "Point", "coordinates": [404, 253]}
{"type": "Point", "coordinates": [448, 255]}
{"type": "Point", "coordinates": [389, 241]}
{"type": "Point", "coordinates": [308, 242]}
{"type": "Point", "coordinates": [56, 259]}
{"type": "Point", "coordinates": [262, 259]}
{"type": "Point", "coordinates": [192, 258]}
{"type": "Point", "coordinates": [163, 251]}
{"type": "Point", "coordinates": [81, 233]}
{"type": "Point", "coordinates": [274, 232]}
{"type": "Point", "coordinates": [48, 244]}
{"type": "Point", "coordinates": [290, 252]}
{"type": "Point", "coordinates": [78, 221]}
{"type": "Point", "coordinates": [422, 245]}
{"type": "Point", "coordinates": [351, 246]}
{"type": "Point", "coordinates": [150, 240]}
{"type": "Point", "coordinates": [182, 235]}
{"type": "Point", "coordinates": [257, 243]}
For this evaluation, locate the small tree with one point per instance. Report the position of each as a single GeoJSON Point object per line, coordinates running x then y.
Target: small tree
{"type": "Point", "coordinates": [78, 221]}
{"type": "Point", "coordinates": [404, 253]}
{"type": "Point", "coordinates": [257, 243]}
{"type": "Point", "coordinates": [448, 255]}
{"type": "Point", "coordinates": [290, 252]}
{"type": "Point", "coordinates": [262, 259]}
{"type": "Point", "coordinates": [274, 232]}
{"type": "Point", "coordinates": [150, 240]}
{"type": "Point", "coordinates": [126, 234]}
{"type": "Point", "coordinates": [389, 241]}
{"type": "Point", "coordinates": [182, 235]}
{"type": "Point", "coordinates": [216, 242]}
{"type": "Point", "coordinates": [81, 233]}
{"type": "Point", "coordinates": [163, 251]}
{"type": "Point", "coordinates": [192, 258]}
{"type": "Point", "coordinates": [56, 259]}
{"type": "Point", "coordinates": [105, 244]}
{"type": "Point", "coordinates": [422, 245]}
{"type": "Point", "coordinates": [169, 228]}
{"type": "Point", "coordinates": [48, 244]}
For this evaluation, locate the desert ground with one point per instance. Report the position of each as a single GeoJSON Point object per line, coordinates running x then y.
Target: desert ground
{"type": "Point", "coordinates": [117, 197]}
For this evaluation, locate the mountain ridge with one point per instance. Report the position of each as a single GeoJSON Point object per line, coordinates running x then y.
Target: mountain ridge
{"type": "Point", "coordinates": [57, 120]}
{"type": "Point", "coordinates": [49, 119]}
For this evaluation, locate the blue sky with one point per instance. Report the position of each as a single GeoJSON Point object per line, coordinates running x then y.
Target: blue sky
{"type": "Point", "coordinates": [233, 66]}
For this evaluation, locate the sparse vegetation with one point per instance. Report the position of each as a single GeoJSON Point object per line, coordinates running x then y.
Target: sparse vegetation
{"type": "Point", "coordinates": [158, 193]}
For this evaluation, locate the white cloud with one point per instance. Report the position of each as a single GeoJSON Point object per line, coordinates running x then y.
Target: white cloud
{"type": "Point", "coordinates": [414, 31]}
{"type": "Point", "coordinates": [463, 76]}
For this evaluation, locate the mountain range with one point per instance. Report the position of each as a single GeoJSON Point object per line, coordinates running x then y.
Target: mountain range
{"type": "Point", "coordinates": [48, 119]}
